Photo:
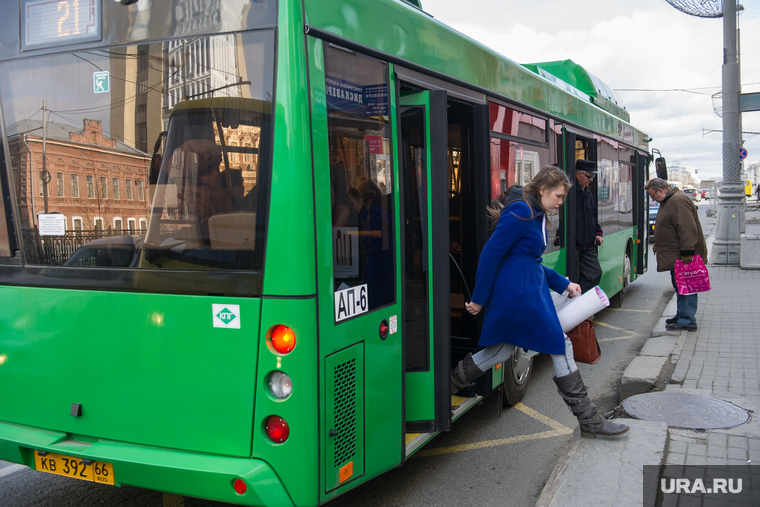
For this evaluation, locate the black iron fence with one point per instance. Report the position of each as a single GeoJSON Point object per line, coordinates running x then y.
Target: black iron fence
{"type": "Point", "coordinates": [56, 250]}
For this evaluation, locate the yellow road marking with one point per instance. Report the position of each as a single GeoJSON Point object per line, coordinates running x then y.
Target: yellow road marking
{"type": "Point", "coordinates": [542, 418]}
{"type": "Point", "coordinates": [488, 443]}
{"type": "Point", "coordinates": [597, 323]}
{"type": "Point", "coordinates": [628, 337]}
{"type": "Point", "coordinates": [559, 430]}
{"type": "Point", "coordinates": [173, 500]}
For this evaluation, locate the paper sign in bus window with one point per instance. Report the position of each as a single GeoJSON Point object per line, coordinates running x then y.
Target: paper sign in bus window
{"type": "Point", "coordinates": [345, 252]}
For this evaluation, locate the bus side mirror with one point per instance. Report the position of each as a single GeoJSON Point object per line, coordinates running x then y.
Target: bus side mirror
{"type": "Point", "coordinates": [661, 168]}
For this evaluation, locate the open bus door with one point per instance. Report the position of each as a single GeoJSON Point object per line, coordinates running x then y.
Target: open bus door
{"type": "Point", "coordinates": [425, 261]}
{"type": "Point", "coordinates": [576, 148]}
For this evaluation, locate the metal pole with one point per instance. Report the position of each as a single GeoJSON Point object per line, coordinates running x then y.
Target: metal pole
{"type": "Point", "coordinates": [726, 248]}
{"type": "Point", "coordinates": [45, 173]}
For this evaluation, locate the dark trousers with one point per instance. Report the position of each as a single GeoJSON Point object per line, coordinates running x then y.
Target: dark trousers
{"type": "Point", "coordinates": [588, 268]}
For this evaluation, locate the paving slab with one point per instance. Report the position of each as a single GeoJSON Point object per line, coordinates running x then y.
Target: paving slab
{"type": "Point", "coordinates": [641, 375]}
{"type": "Point", "coordinates": [606, 472]}
{"type": "Point", "coordinates": [659, 346]}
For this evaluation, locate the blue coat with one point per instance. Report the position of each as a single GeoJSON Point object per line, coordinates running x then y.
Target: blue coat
{"type": "Point", "coordinates": [513, 285]}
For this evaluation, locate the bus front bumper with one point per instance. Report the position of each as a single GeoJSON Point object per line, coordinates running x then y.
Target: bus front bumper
{"type": "Point", "coordinates": [183, 473]}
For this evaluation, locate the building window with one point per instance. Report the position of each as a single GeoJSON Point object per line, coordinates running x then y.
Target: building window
{"type": "Point", "coordinates": [103, 187]}
{"type": "Point", "coordinates": [131, 225]}
{"type": "Point", "coordinates": [233, 155]}
{"type": "Point", "coordinates": [77, 223]}
{"type": "Point", "coordinates": [117, 225]}
{"type": "Point", "coordinates": [116, 188]}
{"type": "Point", "coordinates": [59, 180]}
{"type": "Point", "coordinates": [98, 224]}
{"type": "Point", "coordinates": [140, 193]}
{"type": "Point", "coordinates": [90, 187]}
{"type": "Point", "coordinates": [75, 187]}
{"type": "Point", "coordinates": [247, 155]}
{"type": "Point", "coordinates": [129, 190]}
{"type": "Point", "coordinates": [143, 226]}
{"type": "Point", "coordinates": [42, 185]}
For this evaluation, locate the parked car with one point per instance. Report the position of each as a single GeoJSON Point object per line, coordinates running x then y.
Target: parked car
{"type": "Point", "coordinates": [704, 193]}
{"type": "Point", "coordinates": [111, 252]}
{"type": "Point", "coordinates": [693, 193]}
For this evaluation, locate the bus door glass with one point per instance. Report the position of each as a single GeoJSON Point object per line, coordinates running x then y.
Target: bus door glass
{"type": "Point", "coordinates": [360, 338]}
{"type": "Point", "coordinates": [425, 182]}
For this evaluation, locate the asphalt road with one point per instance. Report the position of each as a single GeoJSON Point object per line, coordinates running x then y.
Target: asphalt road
{"type": "Point", "coordinates": [483, 461]}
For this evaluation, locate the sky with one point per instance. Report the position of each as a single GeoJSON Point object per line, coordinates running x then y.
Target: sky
{"type": "Point", "coordinates": [672, 61]}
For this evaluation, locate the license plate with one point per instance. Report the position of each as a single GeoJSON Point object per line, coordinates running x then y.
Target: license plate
{"type": "Point", "coordinates": [77, 468]}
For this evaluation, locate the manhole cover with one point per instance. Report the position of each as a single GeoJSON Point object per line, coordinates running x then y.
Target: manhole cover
{"type": "Point", "coordinates": [688, 411]}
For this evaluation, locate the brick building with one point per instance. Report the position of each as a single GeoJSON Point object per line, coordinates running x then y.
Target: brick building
{"type": "Point", "coordinates": [96, 182]}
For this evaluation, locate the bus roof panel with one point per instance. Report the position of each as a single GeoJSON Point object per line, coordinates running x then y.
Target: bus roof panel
{"type": "Point", "coordinates": [411, 36]}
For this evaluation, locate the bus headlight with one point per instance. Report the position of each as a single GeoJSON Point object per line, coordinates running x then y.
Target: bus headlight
{"type": "Point", "coordinates": [280, 385]}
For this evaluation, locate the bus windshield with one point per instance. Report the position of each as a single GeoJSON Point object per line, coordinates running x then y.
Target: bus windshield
{"type": "Point", "coordinates": [152, 156]}
{"type": "Point", "coordinates": [206, 210]}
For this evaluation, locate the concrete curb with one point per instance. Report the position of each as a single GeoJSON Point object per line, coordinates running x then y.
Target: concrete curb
{"type": "Point", "coordinates": [606, 472]}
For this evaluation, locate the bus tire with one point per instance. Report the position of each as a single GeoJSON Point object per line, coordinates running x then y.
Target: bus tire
{"type": "Point", "coordinates": [517, 370]}
{"type": "Point", "coordinates": [626, 278]}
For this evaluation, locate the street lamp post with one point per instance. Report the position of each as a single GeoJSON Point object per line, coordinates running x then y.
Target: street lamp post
{"type": "Point", "coordinates": [726, 248]}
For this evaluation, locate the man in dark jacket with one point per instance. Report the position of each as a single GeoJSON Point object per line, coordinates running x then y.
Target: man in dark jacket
{"type": "Point", "coordinates": [588, 233]}
{"type": "Point", "coordinates": [677, 235]}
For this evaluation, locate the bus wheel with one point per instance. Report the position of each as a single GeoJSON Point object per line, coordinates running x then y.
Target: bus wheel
{"type": "Point", "coordinates": [626, 278]}
{"type": "Point", "coordinates": [517, 371]}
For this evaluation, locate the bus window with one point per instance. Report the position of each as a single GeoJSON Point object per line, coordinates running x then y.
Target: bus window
{"type": "Point", "coordinates": [210, 96]}
{"type": "Point", "coordinates": [519, 149]}
{"type": "Point", "coordinates": [360, 174]}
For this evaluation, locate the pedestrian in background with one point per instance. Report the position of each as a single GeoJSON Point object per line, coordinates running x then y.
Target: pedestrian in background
{"type": "Point", "coordinates": [677, 235]}
{"type": "Point", "coordinates": [513, 287]}
{"type": "Point", "coordinates": [588, 232]}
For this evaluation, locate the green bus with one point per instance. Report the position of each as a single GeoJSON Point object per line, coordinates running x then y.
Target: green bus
{"type": "Point", "coordinates": [316, 174]}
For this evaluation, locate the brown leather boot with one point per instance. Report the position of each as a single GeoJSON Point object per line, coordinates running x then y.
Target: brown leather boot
{"type": "Point", "coordinates": [464, 373]}
{"type": "Point", "coordinates": [593, 425]}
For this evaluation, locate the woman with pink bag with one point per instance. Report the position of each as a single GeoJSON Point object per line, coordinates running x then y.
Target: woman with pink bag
{"type": "Point", "coordinates": [678, 236]}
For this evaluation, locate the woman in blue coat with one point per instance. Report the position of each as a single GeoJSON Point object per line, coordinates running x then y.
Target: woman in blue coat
{"type": "Point", "coordinates": [512, 286]}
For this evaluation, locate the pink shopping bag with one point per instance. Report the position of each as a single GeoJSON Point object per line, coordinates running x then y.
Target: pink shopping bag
{"type": "Point", "coordinates": [692, 277]}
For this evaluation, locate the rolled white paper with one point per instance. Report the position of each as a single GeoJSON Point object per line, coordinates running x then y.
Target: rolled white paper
{"type": "Point", "coordinates": [579, 308]}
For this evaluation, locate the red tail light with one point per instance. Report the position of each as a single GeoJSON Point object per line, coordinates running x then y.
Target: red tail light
{"type": "Point", "coordinates": [283, 339]}
{"type": "Point", "coordinates": [240, 486]}
{"type": "Point", "coordinates": [277, 429]}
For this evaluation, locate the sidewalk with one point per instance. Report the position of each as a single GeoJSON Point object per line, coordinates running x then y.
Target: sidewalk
{"type": "Point", "coordinates": [721, 360]}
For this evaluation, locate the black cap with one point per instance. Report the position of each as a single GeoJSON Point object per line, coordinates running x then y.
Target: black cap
{"type": "Point", "coordinates": [587, 166]}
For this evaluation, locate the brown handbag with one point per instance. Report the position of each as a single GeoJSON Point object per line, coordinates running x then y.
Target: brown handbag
{"type": "Point", "coordinates": [585, 347]}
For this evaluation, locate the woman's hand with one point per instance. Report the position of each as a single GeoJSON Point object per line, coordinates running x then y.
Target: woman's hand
{"type": "Point", "coordinates": [473, 308]}
{"type": "Point", "coordinates": [574, 289]}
